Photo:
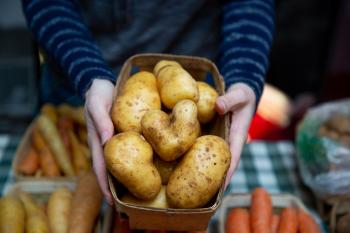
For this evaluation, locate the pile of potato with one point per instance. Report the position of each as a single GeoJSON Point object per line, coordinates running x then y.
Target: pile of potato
{"type": "Point", "coordinates": [337, 128]}
{"type": "Point", "coordinates": [58, 144]}
{"type": "Point", "coordinates": [159, 154]}
{"type": "Point", "coordinates": [65, 211]}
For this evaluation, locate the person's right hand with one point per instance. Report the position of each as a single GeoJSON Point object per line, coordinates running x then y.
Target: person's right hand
{"type": "Point", "coordinates": [98, 102]}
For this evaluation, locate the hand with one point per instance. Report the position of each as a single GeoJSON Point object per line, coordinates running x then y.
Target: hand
{"type": "Point", "coordinates": [99, 99]}
{"type": "Point", "coordinates": [239, 100]}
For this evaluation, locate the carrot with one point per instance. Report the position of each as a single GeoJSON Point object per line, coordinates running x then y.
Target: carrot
{"type": "Point", "coordinates": [64, 125]}
{"type": "Point", "coordinates": [306, 223]}
{"type": "Point", "coordinates": [47, 160]}
{"type": "Point", "coordinates": [51, 136]}
{"type": "Point", "coordinates": [36, 220]}
{"type": "Point", "coordinates": [275, 222]}
{"type": "Point", "coordinates": [30, 164]}
{"type": "Point", "coordinates": [80, 161]}
{"type": "Point", "coordinates": [83, 134]}
{"type": "Point", "coordinates": [237, 221]}
{"type": "Point", "coordinates": [50, 111]}
{"type": "Point", "coordinates": [85, 151]}
{"type": "Point", "coordinates": [261, 211]}
{"type": "Point", "coordinates": [289, 221]}
{"type": "Point", "coordinates": [77, 114]}
{"type": "Point", "coordinates": [86, 203]}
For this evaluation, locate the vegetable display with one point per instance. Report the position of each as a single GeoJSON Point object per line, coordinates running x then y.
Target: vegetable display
{"type": "Point", "coordinates": [262, 216]}
{"type": "Point", "coordinates": [57, 144]}
{"type": "Point", "coordinates": [62, 210]}
{"type": "Point", "coordinates": [158, 118]}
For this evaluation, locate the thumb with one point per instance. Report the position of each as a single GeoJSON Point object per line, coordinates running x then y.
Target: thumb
{"type": "Point", "coordinates": [230, 101]}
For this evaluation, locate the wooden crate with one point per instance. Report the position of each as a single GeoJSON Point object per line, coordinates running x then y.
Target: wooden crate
{"type": "Point", "coordinates": [172, 219]}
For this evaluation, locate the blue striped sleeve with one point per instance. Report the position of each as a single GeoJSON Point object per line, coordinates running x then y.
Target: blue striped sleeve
{"type": "Point", "coordinates": [247, 34]}
{"type": "Point", "coordinates": [59, 28]}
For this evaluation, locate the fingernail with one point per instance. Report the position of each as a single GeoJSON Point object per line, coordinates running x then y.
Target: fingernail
{"type": "Point", "coordinates": [221, 105]}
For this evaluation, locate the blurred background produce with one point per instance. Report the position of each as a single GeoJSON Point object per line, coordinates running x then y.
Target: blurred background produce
{"type": "Point", "coordinates": [56, 144]}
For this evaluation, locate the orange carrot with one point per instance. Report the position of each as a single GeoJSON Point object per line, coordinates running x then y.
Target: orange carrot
{"type": "Point", "coordinates": [47, 160]}
{"type": "Point", "coordinates": [306, 223]}
{"type": "Point", "coordinates": [289, 221]}
{"type": "Point", "coordinates": [30, 163]}
{"type": "Point", "coordinates": [261, 211]}
{"type": "Point", "coordinates": [54, 141]}
{"type": "Point", "coordinates": [64, 125]}
{"type": "Point", "coordinates": [275, 222]}
{"type": "Point", "coordinates": [237, 221]}
{"type": "Point", "coordinates": [80, 161]}
{"type": "Point", "coordinates": [86, 204]}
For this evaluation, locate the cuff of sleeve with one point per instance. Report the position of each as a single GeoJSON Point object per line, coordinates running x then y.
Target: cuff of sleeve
{"type": "Point", "coordinates": [255, 85]}
{"type": "Point", "coordinates": [90, 75]}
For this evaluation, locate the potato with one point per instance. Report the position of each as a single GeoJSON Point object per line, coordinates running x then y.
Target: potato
{"type": "Point", "coordinates": [139, 95]}
{"type": "Point", "coordinates": [200, 173]}
{"type": "Point", "coordinates": [164, 168]}
{"type": "Point", "coordinates": [175, 83]}
{"type": "Point", "coordinates": [158, 202]}
{"type": "Point", "coordinates": [58, 209]}
{"type": "Point", "coordinates": [339, 123]}
{"type": "Point", "coordinates": [206, 102]}
{"type": "Point", "coordinates": [129, 158]}
{"type": "Point", "coordinates": [12, 215]}
{"type": "Point", "coordinates": [171, 136]}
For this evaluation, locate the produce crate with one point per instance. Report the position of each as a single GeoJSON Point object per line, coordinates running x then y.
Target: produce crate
{"type": "Point", "coordinates": [333, 208]}
{"type": "Point", "coordinates": [279, 201]}
{"type": "Point", "coordinates": [41, 191]}
{"type": "Point", "coordinates": [20, 154]}
{"type": "Point", "coordinates": [172, 219]}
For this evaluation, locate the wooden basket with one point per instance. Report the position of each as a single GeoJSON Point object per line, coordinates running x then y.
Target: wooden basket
{"type": "Point", "coordinates": [279, 201]}
{"type": "Point", "coordinates": [20, 154]}
{"type": "Point", "coordinates": [171, 219]}
{"type": "Point", "coordinates": [41, 191]}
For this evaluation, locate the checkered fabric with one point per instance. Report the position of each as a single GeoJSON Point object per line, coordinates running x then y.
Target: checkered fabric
{"type": "Point", "coordinates": [269, 165]}
{"type": "Point", "coordinates": [272, 166]}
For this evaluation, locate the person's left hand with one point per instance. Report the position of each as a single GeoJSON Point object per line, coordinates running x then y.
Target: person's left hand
{"type": "Point", "coordinates": [239, 101]}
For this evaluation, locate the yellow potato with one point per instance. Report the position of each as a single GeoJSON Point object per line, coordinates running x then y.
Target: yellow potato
{"type": "Point", "coordinates": [175, 83]}
{"type": "Point", "coordinates": [58, 209]}
{"type": "Point", "coordinates": [12, 215]}
{"type": "Point", "coordinates": [206, 102]}
{"type": "Point", "coordinates": [164, 168]}
{"type": "Point", "coordinates": [129, 158]}
{"type": "Point", "coordinates": [139, 95]}
{"type": "Point", "coordinates": [200, 173]}
{"type": "Point", "coordinates": [171, 136]}
{"type": "Point", "coordinates": [158, 202]}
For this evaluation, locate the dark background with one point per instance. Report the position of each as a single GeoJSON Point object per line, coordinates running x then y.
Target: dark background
{"type": "Point", "coordinates": [310, 56]}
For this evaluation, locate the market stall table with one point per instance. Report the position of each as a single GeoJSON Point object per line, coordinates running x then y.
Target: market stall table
{"type": "Point", "coordinates": [271, 165]}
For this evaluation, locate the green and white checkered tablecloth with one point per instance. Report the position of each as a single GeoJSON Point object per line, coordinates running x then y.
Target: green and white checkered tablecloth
{"type": "Point", "coordinates": [270, 165]}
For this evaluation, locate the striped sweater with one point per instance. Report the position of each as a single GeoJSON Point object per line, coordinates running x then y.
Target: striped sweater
{"type": "Point", "coordinates": [246, 34]}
